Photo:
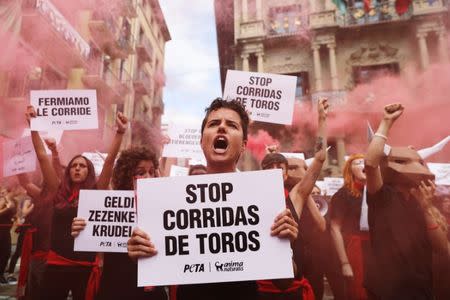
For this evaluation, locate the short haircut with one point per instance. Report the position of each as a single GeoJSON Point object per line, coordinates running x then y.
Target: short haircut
{"type": "Point", "coordinates": [274, 158]}
{"type": "Point", "coordinates": [234, 105]}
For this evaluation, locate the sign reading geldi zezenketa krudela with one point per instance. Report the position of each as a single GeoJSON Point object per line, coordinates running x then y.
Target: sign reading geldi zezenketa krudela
{"type": "Point", "coordinates": [64, 109]}
{"type": "Point", "coordinates": [110, 218]}
{"type": "Point", "coordinates": [212, 228]}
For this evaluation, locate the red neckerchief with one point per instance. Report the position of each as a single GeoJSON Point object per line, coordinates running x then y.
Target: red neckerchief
{"type": "Point", "coordinates": [286, 193]}
{"type": "Point", "coordinates": [74, 196]}
{"type": "Point", "coordinates": [358, 185]}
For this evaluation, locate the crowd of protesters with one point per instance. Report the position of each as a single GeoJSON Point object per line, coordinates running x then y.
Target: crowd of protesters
{"type": "Point", "coordinates": [384, 236]}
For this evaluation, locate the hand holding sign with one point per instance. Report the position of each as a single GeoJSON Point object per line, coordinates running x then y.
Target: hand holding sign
{"type": "Point", "coordinates": [30, 113]}
{"type": "Point", "coordinates": [78, 224]}
{"type": "Point", "coordinates": [139, 245]}
{"type": "Point", "coordinates": [285, 226]}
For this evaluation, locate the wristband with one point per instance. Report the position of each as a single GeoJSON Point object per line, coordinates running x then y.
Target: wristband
{"type": "Point", "coordinates": [120, 131]}
{"type": "Point", "coordinates": [381, 136]}
{"type": "Point", "coordinates": [346, 263]}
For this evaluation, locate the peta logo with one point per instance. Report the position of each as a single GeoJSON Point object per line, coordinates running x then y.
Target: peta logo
{"type": "Point", "coordinates": [194, 268]}
{"type": "Point", "coordinates": [231, 266]}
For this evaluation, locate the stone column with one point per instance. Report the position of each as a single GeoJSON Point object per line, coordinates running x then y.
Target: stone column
{"type": "Point", "coordinates": [259, 10]}
{"type": "Point", "coordinates": [260, 56]}
{"type": "Point", "coordinates": [244, 11]}
{"type": "Point", "coordinates": [340, 145]}
{"type": "Point", "coordinates": [424, 57]}
{"type": "Point", "coordinates": [443, 50]}
{"type": "Point", "coordinates": [245, 65]}
{"type": "Point", "coordinates": [333, 66]}
{"type": "Point", "coordinates": [317, 67]}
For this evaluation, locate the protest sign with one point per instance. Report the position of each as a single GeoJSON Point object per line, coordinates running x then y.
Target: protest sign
{"type": "Point", "coordinates": [184, 141]}
{"type": "Point", "coordinates": [441, 171]}
{"type": "Point", "coordinates": [97, 159]}
{"type": "Point", "coordinates": [212, 228]}
{"type": "Point", "coordinates": [64, 109]}
{"type": "Point", "coordinates": [333, 184]}
{"type": "Point", "coordinates": [110, 218]}
{"type": "Point", "coordinates": [267, 97]}
{"type": "Point", "coordinates": [18, 157]}
{"type": "Point", "coordinates": [178, 171]}
{"type": "Point", "coordinates": [293, 155]}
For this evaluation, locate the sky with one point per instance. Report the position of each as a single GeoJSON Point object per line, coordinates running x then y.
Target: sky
{"type": "Point", "coordinates": [191, 59]}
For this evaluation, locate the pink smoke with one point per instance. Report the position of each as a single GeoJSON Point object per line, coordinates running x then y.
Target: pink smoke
{"type": "Point", "coordinates": [256, 144]}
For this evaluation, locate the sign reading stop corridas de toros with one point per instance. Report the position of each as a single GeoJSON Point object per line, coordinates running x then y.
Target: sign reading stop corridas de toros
{"type": "Point", "coordinates": [64, 109]}
{"type": "Point", "coordinates": [267, 97]}
{"type": "Point", "coordinates": [212, 228]}
{"type": "Point", "coordinates": [110, 218]}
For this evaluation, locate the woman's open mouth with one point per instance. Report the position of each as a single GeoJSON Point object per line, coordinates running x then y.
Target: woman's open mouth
{"type": "Point", "coordinates": [220, 144]}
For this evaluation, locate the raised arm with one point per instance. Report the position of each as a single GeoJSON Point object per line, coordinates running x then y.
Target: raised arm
{"type": "Point", "coordinates": [301, 191]}
{"type": "Point", "coordinates": [315, 213]}
{"type": "Point", "coordinates": [51, 145]}
{"type": "Point", "coordinates": [48, 173]}
{"type": "Point", "coordinates": [105, 175]}
{"type": "Point", "coordinates": [375, 152]}
{"type": "Point", "coordinates": [32, 190]}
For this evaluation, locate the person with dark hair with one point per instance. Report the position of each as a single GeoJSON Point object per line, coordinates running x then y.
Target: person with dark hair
{"type": "Point", "coordinates": [7, 212]}
{"type": "Point", "coordinates": [197, 170]}
{"type": "Point", "coordinates": [224, 138]}
{"type": "Point", "coordinates": [66, 269]}
{"type": "Point", "coordinates": [351, 241]}
{"type": "Point", "coordinates": [406, 230]}
{"type": "Point", "coordinates": [134, 163]}
{"type": "Point", "coordinates": [297, 198]}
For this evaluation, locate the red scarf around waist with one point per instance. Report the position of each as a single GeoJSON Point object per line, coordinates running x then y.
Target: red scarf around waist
{"type": "Point", "coordinates": [266, 286]}
{"type": "Point", "coordinates": [25, 257]}
{"type": "Point", "coordinates": [94, 279]}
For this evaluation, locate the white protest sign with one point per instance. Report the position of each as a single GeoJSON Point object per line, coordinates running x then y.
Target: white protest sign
{"type": "Point", "coordinates": [110, 218]}
{"type": "Point", "coordinates": [18, 157]}
{"type": "Point", "coordinates": [322, 186]}
{"type": "Point", "coordinates": [212, 228]}
{"type": "Point", "coordinates": [178, 171]}
{"type": "Point", "coordinates": [293, 155]}
{"type": "Point", "coordinates": [196, 161]}
{"type": "Point", "coordinates": [64, 109]}
{"type": "Point", "coordinates": [267, 97]}
{"type": "Point", "coordinates": [97, 159]}
{"type": "Point", "coordinates": [184, 141]}
{"type": "Point", "coordinates": [333, 184]}
{"type": "Point", "coordinates": [441, 171]}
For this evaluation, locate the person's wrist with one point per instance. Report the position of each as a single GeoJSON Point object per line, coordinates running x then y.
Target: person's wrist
{"type": "Point", "coordinates": [120, 131]}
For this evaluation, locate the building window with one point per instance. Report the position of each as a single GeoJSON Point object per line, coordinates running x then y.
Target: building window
{"type": "Point", "coordinates": [302, 87]}
{"type": "Point", "coordinates": [286, 19]}
{"type": "Point", "coordinates": [365, 74]}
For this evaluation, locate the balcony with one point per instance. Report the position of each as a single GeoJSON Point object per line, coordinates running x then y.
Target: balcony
{"type": "Point", "coordinates": [49, 33]}
{"type": "Point", "coordinates": [424, 7]}
{"type": "Point", "coordinates": [142, 83]}
{"type": "Point", "coordinates": [128, 8]}
{"type": "Point", "coordinates": [322, 19]}
{"type": "Point", "coordinates": [145, 50]}
{"type": "Point", "coordinates": [252, 29]}
{"type": "Point", "coordinates": [105, 34]}
{"type": "Point", "coordinates": [380, 13]}
{"type": "Point", "coordinates": [109, 87]}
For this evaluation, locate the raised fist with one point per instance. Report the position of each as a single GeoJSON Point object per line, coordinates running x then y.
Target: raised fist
{"type": "Point", "coordinates": [393, 111]}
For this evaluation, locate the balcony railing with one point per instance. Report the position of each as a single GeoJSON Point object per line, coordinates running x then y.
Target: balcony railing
{"type": "Point", "coordinates": [422, 7]}
{"type": "Point", "coordinates": [297, 26]}
{"type": "Point", "coordinates": [59, 23]}
{"type": "Point", "coordinates": [145, 50]}
{"type": "Point", "coordinates": [379, 13]}
{"type": "Point", "coordinates": [252, 29]}
{"type": "Point", "coordinates": [142, 82]}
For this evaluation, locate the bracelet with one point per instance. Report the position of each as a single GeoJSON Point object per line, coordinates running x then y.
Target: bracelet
{"type": "Point", "coordinates": [120, 131]}
{"type": "Point", "coordinates": [346, 263]}
{"type": "Point", "coordinates": [433, 227]}
{"type": "Point", "coordinates": [381, 136]}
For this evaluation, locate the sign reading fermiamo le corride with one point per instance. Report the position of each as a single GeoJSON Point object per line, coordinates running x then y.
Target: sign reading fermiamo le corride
{"type": "Point", "coordinates": [64, 109]}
